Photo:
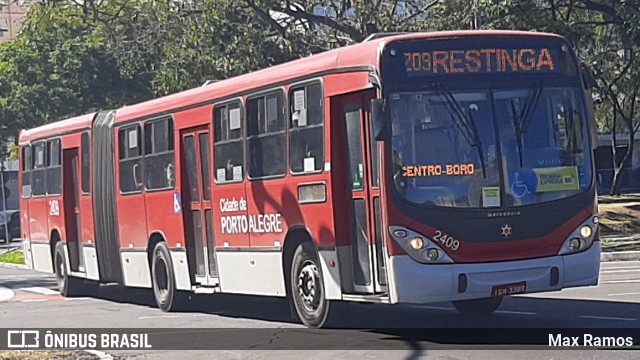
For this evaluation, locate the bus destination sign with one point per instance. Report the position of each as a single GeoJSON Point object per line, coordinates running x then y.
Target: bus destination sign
{"type": "Point", "coordinates": [481, 61]}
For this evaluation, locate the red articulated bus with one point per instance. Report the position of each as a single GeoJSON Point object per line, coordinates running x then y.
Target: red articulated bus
{"type": "Point", "coordinates": [415, 168]}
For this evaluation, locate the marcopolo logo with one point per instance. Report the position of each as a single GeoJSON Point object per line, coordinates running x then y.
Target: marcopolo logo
{"type": "Point", "coordinates": [23, 339]}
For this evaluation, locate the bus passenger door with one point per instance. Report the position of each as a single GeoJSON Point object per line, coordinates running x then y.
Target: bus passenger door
{"type": "Point", "coordinates": [71, 199]}
{"type": "Point", "coordinates": [197, 210]}
{"type": "Point", "coordinates": [361, 171]}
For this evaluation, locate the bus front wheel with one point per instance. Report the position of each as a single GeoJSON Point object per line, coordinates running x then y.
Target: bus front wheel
{"type": "Point", "coordinates": [478, 307]}
{"type": "Point", "coordinates": [164, 286]}
{"type": "Point", "coordinates": [307, 287]}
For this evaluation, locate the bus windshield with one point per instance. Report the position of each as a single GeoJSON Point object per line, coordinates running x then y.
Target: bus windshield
{"type": "Point", "coordinates": [491, 147]}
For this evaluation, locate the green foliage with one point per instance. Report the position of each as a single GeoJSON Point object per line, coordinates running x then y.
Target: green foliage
{"type": "Point", "coordinates": [220, 39]}
{"type": "Point", "coordinates": [13, 151]}
{"type": "Point", "coordinates": [58, 67]}
{"type": "Point", "coordinates": [13, 257]}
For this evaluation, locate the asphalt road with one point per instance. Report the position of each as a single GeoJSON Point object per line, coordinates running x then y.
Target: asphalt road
{"type": "Point", "coordinates": [30, 300]}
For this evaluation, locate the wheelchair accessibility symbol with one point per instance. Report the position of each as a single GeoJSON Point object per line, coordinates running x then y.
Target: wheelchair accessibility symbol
{"type": "Point", "coordinates": [518, 188]}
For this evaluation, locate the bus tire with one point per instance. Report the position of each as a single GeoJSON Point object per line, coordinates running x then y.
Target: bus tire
{"type": "Point", "coordinates": [67, 285]}
{"type": "Point", "coordinates": [164, 284]}
{"type": "Point", "coordinates": [307, 287]}
{"type": "Point", "coordinates": [478, 307]}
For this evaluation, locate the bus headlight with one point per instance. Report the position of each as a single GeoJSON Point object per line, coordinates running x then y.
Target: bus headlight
{"type": "Point", "coordinates": [418, 246]}
{"type": "Point", "coordinates": [585, 231]}
{"type": "Point", "coordinates": [416, 243]}
{"type": "Point", "coordinates": [581, 238]}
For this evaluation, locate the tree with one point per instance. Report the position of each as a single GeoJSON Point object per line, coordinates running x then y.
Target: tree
{"type": "Point", "coordinates": [217, 39]}
{"type": "Point", "coordinates": [221, 39]}
{"type": "Point", "coordinates": [58, 67]}
{"type": "Point", "coordinates": [614, 61]}
{"type": "Point", "coordinates": [172, 46]}
{"type": "Point", "coordinates": [333, 23]}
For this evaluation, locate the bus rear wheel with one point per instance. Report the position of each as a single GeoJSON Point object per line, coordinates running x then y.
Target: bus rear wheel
{"type": "Point", "coordinates": [67, 284]}
{"type": "Point", "coordinates": [164, 285]}
{"type": "Point", "coordinates": [478, 307]}
{"type": "Point", "coordinates": [307, 287]}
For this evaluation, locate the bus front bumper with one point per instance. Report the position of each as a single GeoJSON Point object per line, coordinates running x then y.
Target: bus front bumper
{"type": "Point", "coordinates": [420, 283]}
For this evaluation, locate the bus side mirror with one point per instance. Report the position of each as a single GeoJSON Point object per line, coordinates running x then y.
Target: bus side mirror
{"type": "Point", "coordinates": [593, 124]}
{"type": "Point", "coordinates": [591, 118]}
{"type": "Point", "coordinates": [589, 84]}
{"type": "Point", "coordinates": [379, 119]}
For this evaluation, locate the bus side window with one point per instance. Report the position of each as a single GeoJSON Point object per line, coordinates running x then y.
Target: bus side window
{"type": "Point", "coordinates": [229, 147]}
{"type": "Point", "coordinates": [84, 149]}
{"type": "Point", "coordinates": [306, 130]}
{"type": "Point", "coordinates": [54, 168]}
{"type": "Point", "coordinates": [39, 169]}
{"type": "Point", "coordinates": [27, 164]}
{"type": "Point", "coordinates": [266, 135]}
{"type": "Point", "coordinates": [130, 144]}
{"type": "Point", "coordinates": [159, 154]}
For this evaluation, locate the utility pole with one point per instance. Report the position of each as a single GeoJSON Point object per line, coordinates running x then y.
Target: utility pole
{"type": "Point", "coordinates": [10, 31]}
{"type": "Point", "coordinates": [4, 205]}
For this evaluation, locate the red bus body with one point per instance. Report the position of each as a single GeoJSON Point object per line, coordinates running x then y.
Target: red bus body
{"type": "Point", "coordinates": [147, 174]}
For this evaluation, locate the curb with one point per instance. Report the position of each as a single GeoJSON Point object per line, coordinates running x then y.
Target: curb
{"type": "Point", "coordinates": [13, 266]}
{"type": "Point", "coordinates": [620, 256]}
{"type": "Point", "coordinates": [100, 354]}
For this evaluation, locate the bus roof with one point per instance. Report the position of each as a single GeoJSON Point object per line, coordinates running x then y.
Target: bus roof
{"type": "Point", "coordinates": [55, 128]}
{"type": "Point", "coordinates": [358, 55]}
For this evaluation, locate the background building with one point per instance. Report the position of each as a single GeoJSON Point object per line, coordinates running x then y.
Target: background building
{"type": "Point", "coordinates": [12, 14]}
{"type": "Point", "coordinates": [604, 163]}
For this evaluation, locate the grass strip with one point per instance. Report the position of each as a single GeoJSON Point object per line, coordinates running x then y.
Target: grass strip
{"type": "Point", "coordinates": [13, 257]}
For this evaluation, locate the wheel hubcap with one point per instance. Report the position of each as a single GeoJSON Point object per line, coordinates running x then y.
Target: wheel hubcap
{"type": "Point", "coordinates": [308, 289]}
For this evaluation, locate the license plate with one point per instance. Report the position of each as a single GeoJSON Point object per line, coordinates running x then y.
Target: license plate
{"type": "Point", "coordinates": [509, 289]}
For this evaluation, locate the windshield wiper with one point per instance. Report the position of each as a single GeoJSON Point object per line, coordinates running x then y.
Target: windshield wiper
{"type": "Point", "coordinates": [516, 119]}
{"type": "Point", "coordinates": [530, 107]}
{"type": "Point", "coordinates": [522, 121]}
{"type": "Point", "coordinates": [465, 123]}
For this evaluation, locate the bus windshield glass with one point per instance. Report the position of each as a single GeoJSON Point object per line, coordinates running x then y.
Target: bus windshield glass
{"type": "Point", "coordinates": [503, 147]}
